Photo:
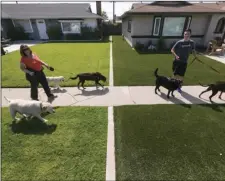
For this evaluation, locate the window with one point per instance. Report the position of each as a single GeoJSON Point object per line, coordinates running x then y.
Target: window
{"type": "Point", "coordinates": [25, 24]}
{"type": "Point", "coordinates": [129, 26]}
{"type": "Point", "coordinates": [156, 26]}
{"type": "Point", "coordinates": [71, 27]}
{"type": "Point", "coordinates": [173, 26]}
{"type": "Point", "coordinates": [220, 26]}
{"type": "Point", "coordinates": [188, 23]}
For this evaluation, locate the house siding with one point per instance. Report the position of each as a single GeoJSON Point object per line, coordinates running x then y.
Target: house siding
{"type": "Point", "coordinates": [5, 23]}
{"type": "Point", "coordinates": [211, 28]}
{"type": "Point", "coordinates": [127, 35]}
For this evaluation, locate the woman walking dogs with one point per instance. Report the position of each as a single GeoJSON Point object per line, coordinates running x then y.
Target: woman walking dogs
{"type": "Point", "coordinates": [32, 66]}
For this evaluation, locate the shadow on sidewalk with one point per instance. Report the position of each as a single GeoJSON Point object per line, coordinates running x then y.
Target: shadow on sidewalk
{"type": "Point", "coordinates": [195, 100]}
{"type": "Point", "coordinates": [97, 92]}
{"type": "Point", "coordinates": [60, 90]}
{"type": "Point", "coordinates": [175, 100]}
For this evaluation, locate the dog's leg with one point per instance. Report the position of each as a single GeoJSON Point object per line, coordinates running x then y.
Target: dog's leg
{"type": "Point", "coordinates": [207, 90]}
{"type": "Point", "coordinates": [42, 119]}
{"type": "Point", "coordinates": [156, 88]}
{"type": "Point", "coordinates": [83, 84]}
{"type": "Point", "coordinates": [78, 85]}
{"type": "Point", "coordinates": [168, 95]}
{"type": "Point", "coordinates": [173, 94]}
{"type": "Point", "coordinates": [213, 94]}
{"type": "Point", "coordinates": [221, 95]}
{"type": "Point", "coordinates": [97, 82]}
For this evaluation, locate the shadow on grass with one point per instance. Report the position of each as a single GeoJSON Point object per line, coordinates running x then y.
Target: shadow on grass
{"type": "Point", "coordinates": [32, 126]}
{"type": "Point", "coordinates": [195, 100]}
{"type": "Point", "coordinates": [97, 92]}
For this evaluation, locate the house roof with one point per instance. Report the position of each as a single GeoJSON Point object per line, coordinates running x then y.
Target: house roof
{"type": "Point", "coordinates": [47, 10]}
{"type": "Point", "coordinates": [175, 7]}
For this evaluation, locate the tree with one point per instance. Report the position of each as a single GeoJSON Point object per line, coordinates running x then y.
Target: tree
{"type": "Point", "coordinates": [104, 15]}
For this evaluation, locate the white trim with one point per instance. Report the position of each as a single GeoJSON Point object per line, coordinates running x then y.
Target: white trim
{"type": "Point", "coordinates": [111, 63]}
{"type": "Point", "coordinates": [69, 21]}
{"type": "Point", "coordinates": [24, 29]}
{"type": "Point", "coordinates": [189, 22]}
{"type": "Point", "coordinates": [38, 29]}
{"type": "Point", "coordinates": [110, 158]}
{"type": "Point", "coordinates": [156, 34]}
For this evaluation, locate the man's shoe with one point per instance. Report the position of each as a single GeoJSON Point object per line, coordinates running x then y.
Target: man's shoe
{"type": "Point", "coordinates": [179, 90]}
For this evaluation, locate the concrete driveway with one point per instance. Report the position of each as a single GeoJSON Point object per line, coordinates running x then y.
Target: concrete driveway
{"type": "Point", "coordinates": [16, 45]}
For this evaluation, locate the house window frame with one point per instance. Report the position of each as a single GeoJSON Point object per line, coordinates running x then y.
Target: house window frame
{"type": "Point", "coordinates": [14, 24]}
{"type": "Point", "coordinates": [153, 29]}
{"type": "Point", "coordinates": [223, 25]}
{"type": "Point", "coordinates": [70, 21]}
{"type": "Point", "coordinates": [187, 24]}
{"type": "Point", "coordinates": [129, 25]}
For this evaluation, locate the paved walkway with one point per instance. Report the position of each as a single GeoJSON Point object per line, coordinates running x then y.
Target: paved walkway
{"type": "Point", "coordinates": [114, 96]}
{"type": "Point", "coordinates": [16, 45]}
{"type": "Point", "coordinates": [217, 58]}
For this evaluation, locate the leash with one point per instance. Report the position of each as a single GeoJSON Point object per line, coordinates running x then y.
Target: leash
{"type": "Point", "coordinates": [209, 66]}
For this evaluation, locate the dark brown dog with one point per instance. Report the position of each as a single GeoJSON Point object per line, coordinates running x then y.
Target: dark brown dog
{"type": "Point", "coordinates": [168, 83]}
{"type": "Point", "coordinates": [215, 88]}
{"type": "Point", "coordinates": [89, 77]}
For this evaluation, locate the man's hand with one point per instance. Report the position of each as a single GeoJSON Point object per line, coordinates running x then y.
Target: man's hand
{"type": "Point", "coordinates": [177, 57]}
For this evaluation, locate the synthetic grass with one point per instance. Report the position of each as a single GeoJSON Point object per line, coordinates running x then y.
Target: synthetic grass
{"type": "Point", "coordinates": [76, 150]}
{"type": "Point", "coordinates": [134, 69]}
{"type": "Point", "coordinates": [170, 142]}
{"type": "Point", "coordinates": [67, 58]}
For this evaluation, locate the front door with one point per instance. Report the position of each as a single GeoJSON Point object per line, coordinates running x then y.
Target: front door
{"type": "Point", "coordinates": [42, 29]}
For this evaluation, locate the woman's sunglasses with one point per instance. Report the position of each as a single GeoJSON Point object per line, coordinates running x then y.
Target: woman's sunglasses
{"type": "Point", "coordinates": [25, 49]}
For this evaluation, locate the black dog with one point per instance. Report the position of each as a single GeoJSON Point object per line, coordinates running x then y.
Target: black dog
{"type": "Point", "coordinates": [215, 88]}
{"type": "Point", "coordinates": [168, 83]}
{"type": "Point", "coordinates": [89, 77]}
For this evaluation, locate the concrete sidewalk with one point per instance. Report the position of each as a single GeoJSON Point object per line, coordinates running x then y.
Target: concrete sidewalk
{"type": "Point", "coordinates": [114, 96]}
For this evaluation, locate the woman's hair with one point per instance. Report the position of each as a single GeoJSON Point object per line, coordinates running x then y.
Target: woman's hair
{"type": "Point", "coordinates": [22, 48]}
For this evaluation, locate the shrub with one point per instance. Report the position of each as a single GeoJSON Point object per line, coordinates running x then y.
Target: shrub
{"type": "Point", "coordinates": [139, 46]}
{"type": "Point", "coordinates": [160, 44]}
{"type": "Point", "coordinates": [87, 33]}
{"type": "Point", "coordinates": [17, 33]}
{"type": "Point", "coordinates": [54, 32]}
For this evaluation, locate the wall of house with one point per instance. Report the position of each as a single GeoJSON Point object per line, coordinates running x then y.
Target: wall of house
{"type": "Point", "coordinates": [142, 25]}
{"type": "Point", "coordinates": [4, 24]}
{"type": "Point", "coordinates": [199, 23]}
{"type": "Point", "coordinates": [35, 34]}
{"type": "Point", "coordinates": [209, 35]}
{"type": "Point", "coordinates": [126, 34]}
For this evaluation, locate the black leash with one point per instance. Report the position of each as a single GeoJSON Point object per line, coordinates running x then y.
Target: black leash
{"type": "Point", "coordinates": [209, 66]}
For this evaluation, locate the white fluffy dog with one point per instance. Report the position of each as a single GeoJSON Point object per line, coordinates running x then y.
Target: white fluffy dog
{"type": "Point", "coordinates": [29, 108]}
{"type": "Point", "coordinates": [56, 80]}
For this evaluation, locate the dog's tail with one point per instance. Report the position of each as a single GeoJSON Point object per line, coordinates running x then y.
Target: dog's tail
{"type": "Point", "coordinates": [156, 73]}
{"type": "Point", "coordinates": [7, 99]}
{"type": "Point", "coordinates": [205, 85]}
{"type": "Point", "coordinates": [74, 78]}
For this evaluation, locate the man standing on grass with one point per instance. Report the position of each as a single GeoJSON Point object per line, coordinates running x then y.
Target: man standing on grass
{"type": "Point", "coordinates": [181, 50]}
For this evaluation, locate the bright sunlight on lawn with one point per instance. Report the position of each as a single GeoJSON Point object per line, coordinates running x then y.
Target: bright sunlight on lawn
{"type": "Point", "coordinates": [134, 69]}
{"type": "Point", "coordinates": [75, 150]}
{"type": "Point", "coordinates": [170, 142]}
{"type": "Point", "coordinates": [66, 58]}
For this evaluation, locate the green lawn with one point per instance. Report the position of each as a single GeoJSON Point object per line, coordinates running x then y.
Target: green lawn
{"type": "Point", "coordinates": [66, 58]}
{"type": "Point", "coordinates": [180, 144]}
{"type": "Point", "coordinates": [76, 150]}
{"type": "Point", "coordinates": [134, 69]}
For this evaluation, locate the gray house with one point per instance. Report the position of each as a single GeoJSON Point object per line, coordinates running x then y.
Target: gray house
{"type": "Point", "coordinates": [37, 18]}
{"type": "Point", "coordinates": [169, 19]}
